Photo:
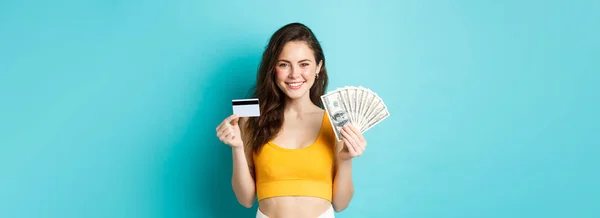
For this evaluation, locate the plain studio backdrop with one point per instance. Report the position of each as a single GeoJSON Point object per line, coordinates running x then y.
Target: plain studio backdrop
{"type": "Point", "coordinates": [109, 108]}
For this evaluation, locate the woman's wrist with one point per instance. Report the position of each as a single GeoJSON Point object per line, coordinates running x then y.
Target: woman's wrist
{"type": "Point", "coordinates": [239, 150]}
{"type": "Point", "coordinates": [344, 162]}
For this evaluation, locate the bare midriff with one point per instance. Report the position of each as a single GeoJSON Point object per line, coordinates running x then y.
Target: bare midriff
{"type": "Point", "coordinates": [293, 206]}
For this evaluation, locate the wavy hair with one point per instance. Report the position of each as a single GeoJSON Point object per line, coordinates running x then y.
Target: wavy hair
{"type": "Point", "coordinates": [261, 130]}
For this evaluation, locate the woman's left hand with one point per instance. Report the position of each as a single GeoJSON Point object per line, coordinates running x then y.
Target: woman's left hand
{"type": "Point", "coordinates": [355, 143]}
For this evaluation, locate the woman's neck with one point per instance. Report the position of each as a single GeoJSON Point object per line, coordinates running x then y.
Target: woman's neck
{"type": "Point", "coordinates": [300, 106]}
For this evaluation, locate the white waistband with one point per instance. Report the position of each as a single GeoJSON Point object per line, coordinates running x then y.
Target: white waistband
{"type": "Point", "coordinates": [329, 213]}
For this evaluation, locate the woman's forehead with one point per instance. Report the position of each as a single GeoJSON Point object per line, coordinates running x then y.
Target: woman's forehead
{"type": "Point", "coordinates": [296, 51]}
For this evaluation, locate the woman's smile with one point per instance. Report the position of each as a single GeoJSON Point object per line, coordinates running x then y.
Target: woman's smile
{"type": "Point", "coordinates": [294, 85]}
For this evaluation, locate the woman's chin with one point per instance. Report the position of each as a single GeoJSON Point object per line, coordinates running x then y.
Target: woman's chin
{"type": "Point", "coordinates": [295, 95]}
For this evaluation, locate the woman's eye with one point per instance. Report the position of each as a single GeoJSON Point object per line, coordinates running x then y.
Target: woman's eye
{"type": "Point", "coordinates": [304, 64]}
{"type": "Point", "coordinates": [283, 65]}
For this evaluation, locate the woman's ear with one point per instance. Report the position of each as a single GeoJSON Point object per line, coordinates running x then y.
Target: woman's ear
{"type": "Point", "coordinates": [319, 67]}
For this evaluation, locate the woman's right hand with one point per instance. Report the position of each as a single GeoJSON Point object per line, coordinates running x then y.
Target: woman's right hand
{"type": "Point", "coordinates": [229, 132]}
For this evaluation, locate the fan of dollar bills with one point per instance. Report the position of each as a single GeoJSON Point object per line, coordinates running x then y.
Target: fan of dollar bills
{"type": "Point", "coordinates": [357, 105]}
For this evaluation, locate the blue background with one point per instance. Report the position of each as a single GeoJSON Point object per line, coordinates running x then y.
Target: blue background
{"type": "Point", "coordinates": [108, 108]}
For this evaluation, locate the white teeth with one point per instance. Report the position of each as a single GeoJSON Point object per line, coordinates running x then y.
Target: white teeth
{"type": "Point", "coordinates": [294, 84]}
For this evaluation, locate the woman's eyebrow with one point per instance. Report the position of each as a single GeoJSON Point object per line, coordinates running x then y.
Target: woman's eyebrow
{"type": "Point", "coordinates": [303, 60]}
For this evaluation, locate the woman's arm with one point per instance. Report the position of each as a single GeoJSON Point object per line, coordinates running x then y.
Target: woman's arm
{"type": "Point", "coordinates": [354, 144]}
{"type": "Point", "coordinates": [242, 179]}
{"type": "Point", "coordinates": [343, 187]}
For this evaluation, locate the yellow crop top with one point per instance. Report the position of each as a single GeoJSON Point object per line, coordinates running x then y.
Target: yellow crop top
{"type": "Point", "coordinates": [305, 171]}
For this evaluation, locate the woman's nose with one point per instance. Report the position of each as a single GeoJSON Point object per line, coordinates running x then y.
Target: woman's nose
{"type": "Point", "coordinates": [295, 72]}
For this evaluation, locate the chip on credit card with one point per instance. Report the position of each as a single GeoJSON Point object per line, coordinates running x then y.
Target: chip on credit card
{"type": "Point", "coordinates": [246, 107]}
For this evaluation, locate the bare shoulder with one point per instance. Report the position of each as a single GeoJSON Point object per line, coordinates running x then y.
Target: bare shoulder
{"type": "Point", "coordinates": [318, 111]}
{"type": "Point", "coordinates": [317, 115]}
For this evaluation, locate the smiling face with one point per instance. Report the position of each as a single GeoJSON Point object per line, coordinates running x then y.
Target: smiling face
{"type": "Point", "coordinates": [296, 69]}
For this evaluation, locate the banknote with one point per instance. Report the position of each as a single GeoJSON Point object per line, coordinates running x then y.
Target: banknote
{"type": "Point", "coordinates": [337, 113]}
{"type": "Point", "coordinates": [359, 106]}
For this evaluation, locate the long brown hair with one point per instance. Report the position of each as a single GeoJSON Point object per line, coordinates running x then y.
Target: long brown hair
{"type": "Point", "coordinates": [261, 130]}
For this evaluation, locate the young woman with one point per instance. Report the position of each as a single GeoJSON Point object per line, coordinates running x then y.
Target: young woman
{"type": "Point", "coordinates": [288, 157]}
